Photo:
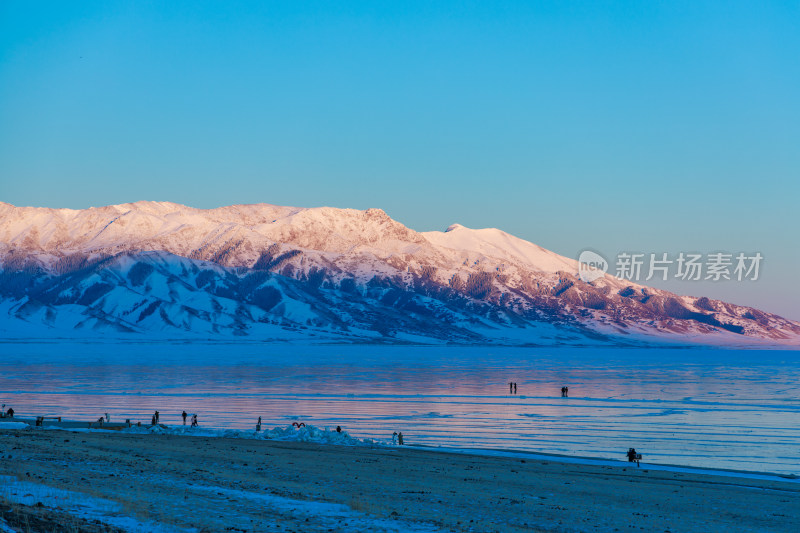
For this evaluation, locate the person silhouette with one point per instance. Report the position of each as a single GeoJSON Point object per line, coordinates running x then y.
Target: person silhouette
{"type": "Point", "coordinates": [515, 387]}
{"type": "Point", "coordinates": [510, 387]}
{"type": "Point", "coordinates": [184, 415]}
{"type": "Point", "coordinates": [634, 456]}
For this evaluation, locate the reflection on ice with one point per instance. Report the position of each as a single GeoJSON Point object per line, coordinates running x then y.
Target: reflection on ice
{"type": "Point", "coordinates": [708, 408]}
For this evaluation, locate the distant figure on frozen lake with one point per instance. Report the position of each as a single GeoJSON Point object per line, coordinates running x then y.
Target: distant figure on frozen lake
{"type": "Point", "coordinates": [184, 415]}
{"type": "Point", "coordinates": [338, 429]}
{"type": "Point", "coordinates": [394, 438]}
{"type": "Point", "coordinates": [515, 387]}
{"type": "Point", "coordinates": [258, 424]}
{"type": "Point", "coordinates": [157, 417]}
{"type": "Point", "coordinates": [153, 420]}
{"type": "Point", "coordinates": [510, 387]}
{"type": "Point", "coordinates": [400, 438]}
{"type": "Point", "coordinates": [566, 392]}
{"type": "Point", "coordinates": [10, 413]}
{"type": "Point", "coordinates": [194, 420]}
{"type": "Point", "coordinates": [107, 419]}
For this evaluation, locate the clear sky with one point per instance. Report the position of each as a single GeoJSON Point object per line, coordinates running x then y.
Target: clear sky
{"type": "Point", "coordinates": [642, 126]}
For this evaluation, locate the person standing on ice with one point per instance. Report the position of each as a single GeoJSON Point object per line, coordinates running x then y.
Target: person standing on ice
{"type": "Point", "coordinates": [510, 387]}
{"type": "Point", "coordinates": [184, 415]}
{"type": "Point", "coordinates": [515, 387]}
{"type": "Point", "coordinates": [157, 417]}
{"type": "Point", "coordinates": [258, 425]}
{"type": "Point", "coordinates": [194, 420]}
{"type": "Point", "coordinates": [400, 438]}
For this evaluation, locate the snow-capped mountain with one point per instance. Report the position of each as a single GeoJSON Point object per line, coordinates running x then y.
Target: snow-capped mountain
{"type": "Point", "coordinates": [271, 272]}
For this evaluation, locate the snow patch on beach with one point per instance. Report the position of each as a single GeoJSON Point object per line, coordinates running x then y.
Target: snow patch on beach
{"type": "Point", "coordinates": [13, 425]}
{"type": "Point", "coordinates": [332, 515]}
{"type": "Point", "coordinates": [78, 505]}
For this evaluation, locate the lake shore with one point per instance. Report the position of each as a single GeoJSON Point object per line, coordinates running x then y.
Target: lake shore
{"type": "Point", "coordinates": [169, 482]}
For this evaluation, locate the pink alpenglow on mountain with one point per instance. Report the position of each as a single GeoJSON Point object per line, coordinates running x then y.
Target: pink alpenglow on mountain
{"type": "Point", "coordinates": [266, 272]}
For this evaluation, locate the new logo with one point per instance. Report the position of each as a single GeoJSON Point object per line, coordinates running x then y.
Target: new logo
{"type": "Point", "coordinates": [591, 266]}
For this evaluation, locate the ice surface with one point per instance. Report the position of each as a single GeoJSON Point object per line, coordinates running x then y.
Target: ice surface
{"type": "Point", "coordinates": [722, 409]}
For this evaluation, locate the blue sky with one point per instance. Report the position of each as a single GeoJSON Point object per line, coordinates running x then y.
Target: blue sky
{"type": "Point", "coordinates": [639, 126]}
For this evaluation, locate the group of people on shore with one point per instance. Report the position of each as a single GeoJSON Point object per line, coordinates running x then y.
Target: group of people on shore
{"type": "Point", "coordinates": [192, 420]}
{"type": "Point", "coordinates": [156, 418]}
{"type": "Point", "coordinates": [397, 438]}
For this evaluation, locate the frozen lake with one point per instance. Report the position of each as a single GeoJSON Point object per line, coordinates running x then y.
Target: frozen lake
{"type": "Point", "coordinates": [700, 407]}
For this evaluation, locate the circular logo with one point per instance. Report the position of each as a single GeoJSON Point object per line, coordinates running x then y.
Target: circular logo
{"type": "Point", "coordinates": [591, 266]}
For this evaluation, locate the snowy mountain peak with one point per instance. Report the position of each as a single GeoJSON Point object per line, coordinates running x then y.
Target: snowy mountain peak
{"type": "Point", "coordinates": [258, 269]}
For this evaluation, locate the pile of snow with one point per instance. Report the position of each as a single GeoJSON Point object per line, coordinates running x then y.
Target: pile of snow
{"type": "Point", "coordinates": [288, 433]}
{"type": "Point", "coordinates": [13, 425]}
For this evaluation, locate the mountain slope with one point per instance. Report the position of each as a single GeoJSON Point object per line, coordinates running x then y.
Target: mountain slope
{"type": "Point", "coordinates": [271, 272]}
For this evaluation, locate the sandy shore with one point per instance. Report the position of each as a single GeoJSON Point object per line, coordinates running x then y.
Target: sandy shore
{"type": "Point", "coordinates": [168, 482]}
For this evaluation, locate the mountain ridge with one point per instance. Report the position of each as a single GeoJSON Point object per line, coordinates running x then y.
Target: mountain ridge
{"type": "Point", "coordinates": [344, 273]}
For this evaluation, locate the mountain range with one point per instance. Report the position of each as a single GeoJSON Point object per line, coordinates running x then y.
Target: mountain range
{"type": "Point", "coordinates": [270, 273]}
